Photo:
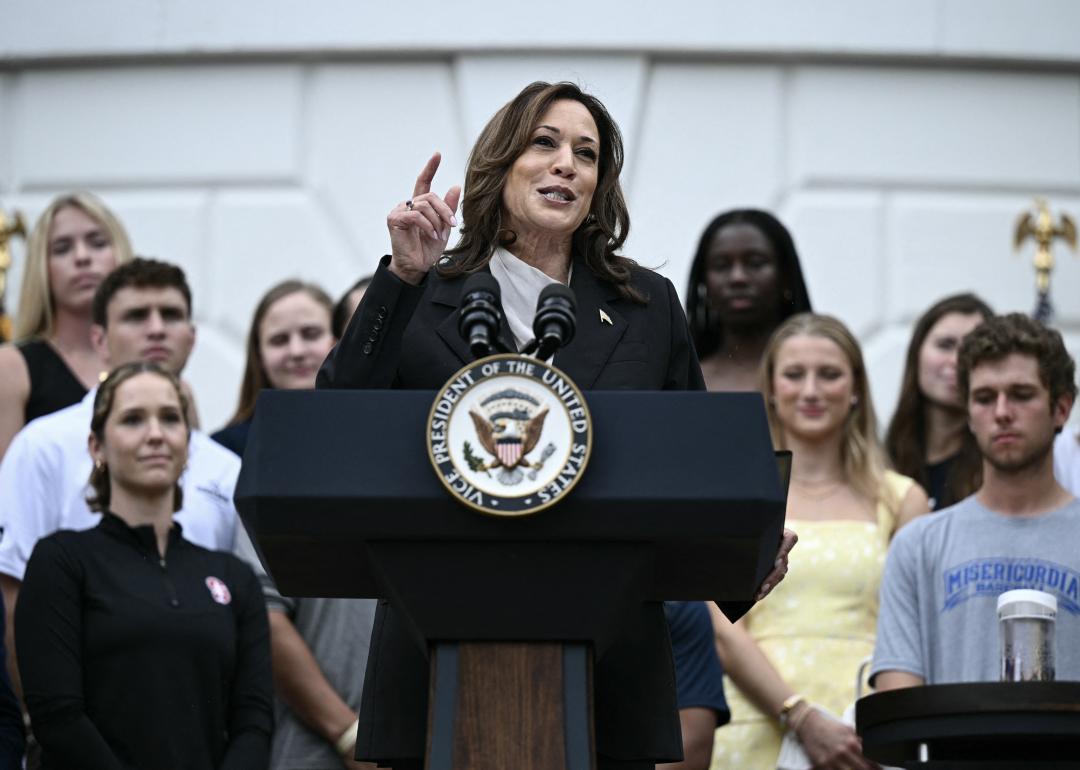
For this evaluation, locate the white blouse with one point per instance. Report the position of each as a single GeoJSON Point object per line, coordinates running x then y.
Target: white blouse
{"type": "Point", "coordinates": [520, 284]}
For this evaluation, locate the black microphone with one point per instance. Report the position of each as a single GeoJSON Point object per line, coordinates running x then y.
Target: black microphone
{"type": "Point", "coordinates": [555, 320]}
{"type": "Point", "coordinates": [481, 313]}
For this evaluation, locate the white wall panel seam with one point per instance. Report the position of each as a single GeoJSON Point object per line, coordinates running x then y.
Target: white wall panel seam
{"type": "Point", "coordinates": [633, 153]}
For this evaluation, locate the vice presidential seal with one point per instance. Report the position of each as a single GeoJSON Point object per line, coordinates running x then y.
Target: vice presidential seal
{"type": "Point", "coordinates": [509, 435]}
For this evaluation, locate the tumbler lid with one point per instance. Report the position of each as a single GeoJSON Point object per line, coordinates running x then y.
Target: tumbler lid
{"type": "Point", "coordinates": [1026, 602]}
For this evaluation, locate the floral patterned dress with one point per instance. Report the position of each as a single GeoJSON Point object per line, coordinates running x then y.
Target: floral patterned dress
{"type": "Point", "coordinates": [816, 627]}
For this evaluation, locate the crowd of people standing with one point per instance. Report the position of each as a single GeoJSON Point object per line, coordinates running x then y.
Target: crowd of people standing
{"type": "Point", "coordinates": [132, 591]}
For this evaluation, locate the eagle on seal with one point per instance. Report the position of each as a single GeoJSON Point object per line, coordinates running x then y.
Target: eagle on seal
{"type": "Point", "coordinates": [507, 445]}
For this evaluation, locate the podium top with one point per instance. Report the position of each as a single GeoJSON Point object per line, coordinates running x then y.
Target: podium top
{"type": "Point", "coordinates": [692, 475]}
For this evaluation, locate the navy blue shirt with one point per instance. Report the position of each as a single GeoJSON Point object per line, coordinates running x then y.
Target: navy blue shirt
{"type": "Point", "coordinates": [234, 437]}
{"type": "Point", "coordinates": [699, 680]}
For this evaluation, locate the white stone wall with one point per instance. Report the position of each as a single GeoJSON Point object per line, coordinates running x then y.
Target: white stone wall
{"type": "Point", "coordinates": [251, 142]}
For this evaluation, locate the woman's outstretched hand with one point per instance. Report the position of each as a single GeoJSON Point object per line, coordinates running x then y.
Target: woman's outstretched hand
{"type": "Point", "coordinates": [420, 227]}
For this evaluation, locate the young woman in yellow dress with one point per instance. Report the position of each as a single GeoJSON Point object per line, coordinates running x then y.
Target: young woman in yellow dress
{"type": "Point", "coordinates": [794, 658]}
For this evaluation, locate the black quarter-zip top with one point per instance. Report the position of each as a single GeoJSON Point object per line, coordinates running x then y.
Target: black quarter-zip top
{"type": "Point", "coordinates": [134, 659]}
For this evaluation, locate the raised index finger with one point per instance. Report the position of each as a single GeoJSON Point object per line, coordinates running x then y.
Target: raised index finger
{"type": "Point", "coordinates": [423, 182]}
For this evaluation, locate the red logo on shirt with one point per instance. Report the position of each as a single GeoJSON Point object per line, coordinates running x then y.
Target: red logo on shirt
{"type": "Point", "coordinates": [218, 590]}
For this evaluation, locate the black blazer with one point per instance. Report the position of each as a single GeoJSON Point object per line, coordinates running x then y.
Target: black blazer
{"type": "Point", "coordinates": [404, 336]}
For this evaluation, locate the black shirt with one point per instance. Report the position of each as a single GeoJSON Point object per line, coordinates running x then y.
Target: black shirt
{"type": "Point", "coordinates": [12, 738]}
{"type": "Point", "coordinates": [937, 481]}
{"type": "Point", "coordinates": [129, 660]}
{"type": "Point", "coordinates": [53, 385]}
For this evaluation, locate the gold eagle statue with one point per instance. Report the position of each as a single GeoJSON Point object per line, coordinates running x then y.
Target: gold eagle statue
{"type": "Point", "coordinates": [1040, 227]}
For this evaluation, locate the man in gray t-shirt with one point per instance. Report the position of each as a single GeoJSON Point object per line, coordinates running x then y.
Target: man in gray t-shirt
{"type": "Point", "coordinates": [338, 632]}
{"type": "Point", "coordinates": [938, 617]}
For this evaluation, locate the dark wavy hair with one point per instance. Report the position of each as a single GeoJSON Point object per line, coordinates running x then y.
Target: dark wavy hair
{"type": "Point", "coordinates": [255, 377]}
{"type": "Point", "coordinates": [503, 139]}
{"type": "Point", "coordinates": [905, 440]}
{"type": "Point", "coordinates": [139, 273]}
{"type": "Point", "coordinates": [707, 332]}
{"type": "Point", "coordinates": [1017, 333]}
{"type": "Point", "coordinates": [100, 496]}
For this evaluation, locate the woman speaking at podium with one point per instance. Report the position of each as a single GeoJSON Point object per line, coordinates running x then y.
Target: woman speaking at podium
{"type": "Point", "coordinates": [542, 205]}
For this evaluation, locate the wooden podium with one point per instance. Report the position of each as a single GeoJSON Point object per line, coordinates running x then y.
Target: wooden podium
{"type": "Point", "coordinates": [681, 500]}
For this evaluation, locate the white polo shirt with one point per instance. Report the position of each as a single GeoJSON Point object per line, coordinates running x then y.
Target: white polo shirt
{"type": "Point", "coordinates": [44, 480]}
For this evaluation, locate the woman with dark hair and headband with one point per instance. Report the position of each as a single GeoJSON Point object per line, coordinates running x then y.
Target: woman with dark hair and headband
{"type": "Point", "coordinates": [745, 280]}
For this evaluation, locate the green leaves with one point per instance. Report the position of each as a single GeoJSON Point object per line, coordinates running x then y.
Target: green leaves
{"type": "Point", "coordinates": [476, 465]}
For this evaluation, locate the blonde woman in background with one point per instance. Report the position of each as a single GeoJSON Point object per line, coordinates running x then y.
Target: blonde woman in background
{"type": "Point", "coordinates": [289, 338]}
{"type": "Point", "coordinates": [794, 657]}
{"type": "Point", "coordinates": [75, 243]}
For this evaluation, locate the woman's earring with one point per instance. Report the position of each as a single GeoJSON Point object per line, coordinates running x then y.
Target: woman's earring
{"type": "Point", "coordinates": [854, 400]}
{"type": "Point", "coordinates": [99, 465]}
